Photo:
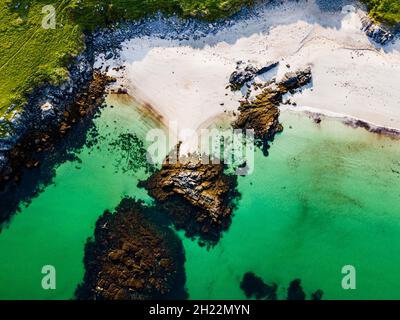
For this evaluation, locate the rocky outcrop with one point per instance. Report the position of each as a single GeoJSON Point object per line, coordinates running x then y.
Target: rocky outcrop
{"type": "Point", "coordinates": [247, 72]}
{"type": "Point", "coordinates": [45, 144]}
{"type": "Point", "coordinates": [197, 197]}
{"type": "Point", "coordinates": [377, 32]}
{"type": "Point", "coordinates": [133, 257]}
{"type": "Point", "coordinates": [262, 113]}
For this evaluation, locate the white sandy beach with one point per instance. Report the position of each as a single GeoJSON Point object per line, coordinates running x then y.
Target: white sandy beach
{"type": "Point", "coordinates": [185, 81]}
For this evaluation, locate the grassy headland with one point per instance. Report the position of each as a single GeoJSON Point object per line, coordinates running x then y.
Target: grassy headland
{"type": "Point", "coordinates": [31, 55]}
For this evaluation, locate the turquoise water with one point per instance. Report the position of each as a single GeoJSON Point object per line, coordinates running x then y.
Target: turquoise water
{"type": "Point", "coordinates": [326, 196]}
{"type": "Point", "coordinates": [53, 229]}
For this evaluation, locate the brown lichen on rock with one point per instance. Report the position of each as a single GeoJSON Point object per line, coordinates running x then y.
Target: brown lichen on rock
{"type": "Point", "coordinates": [133, 257]}
{"type": "Point", "coordinates": [197, 197]}
{"type": "Point", "coordinates": [262, 113]}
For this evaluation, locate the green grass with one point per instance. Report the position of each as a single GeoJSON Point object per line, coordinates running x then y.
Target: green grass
{"type": "Point", "coordinates": [31, 55]}
{"type": "Point", "coordinates": [386, 11]}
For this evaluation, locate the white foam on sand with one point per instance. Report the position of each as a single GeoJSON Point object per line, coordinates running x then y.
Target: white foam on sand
{"type": "Point", "coordinates": [185, 81]}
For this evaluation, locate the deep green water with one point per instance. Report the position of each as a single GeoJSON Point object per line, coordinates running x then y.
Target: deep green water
{"type": "Point", "coordinates": [326, 196]}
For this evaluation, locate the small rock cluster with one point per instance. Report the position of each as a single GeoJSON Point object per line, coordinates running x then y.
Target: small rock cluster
{"type": "Point", "coordinates": [247, 72]}
{"type": "Point", "coordinates": [253, 286]}
{"type": "Point", "coordinates": [262, 113]}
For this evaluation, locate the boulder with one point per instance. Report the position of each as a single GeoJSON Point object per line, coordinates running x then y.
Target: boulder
{"type": "Point", "coordinates": [378, 33]}
{"type": "Point", "coordinates": [247, 72]}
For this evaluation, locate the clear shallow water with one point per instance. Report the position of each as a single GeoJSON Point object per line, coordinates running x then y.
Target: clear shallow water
{"type": "Point", "coordinates": [53, 229]}
{"type": "Point", "coordinates": [326, 196]}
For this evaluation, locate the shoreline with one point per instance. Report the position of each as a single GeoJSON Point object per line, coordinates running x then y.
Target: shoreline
{"type": "Point", "coordinates": [316, 115]}
{"type": "Point", "coordinates": [165, 73]}
{"type": "Point", "coordinates": [32, 161]}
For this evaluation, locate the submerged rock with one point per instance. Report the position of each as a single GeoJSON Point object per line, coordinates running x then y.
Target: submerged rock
{"type": "Point", "coordinates": [262, 113]}
{"type": "Point", "coordinates": [131, 153]}
{"type": "Point", "coordinates": [254, 286]}
{"type": "Point", "coordinates": [295, 291]}
{"type": "Point", "coordinates": [197, 197]}
{"type": "Point", "coordinates": [133, 257]}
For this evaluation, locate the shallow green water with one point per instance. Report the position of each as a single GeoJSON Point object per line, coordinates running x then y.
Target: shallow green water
{"type": "Point", "coordinates": [326, 196]}
{"type": "Point", "coordinates": [53, 229]}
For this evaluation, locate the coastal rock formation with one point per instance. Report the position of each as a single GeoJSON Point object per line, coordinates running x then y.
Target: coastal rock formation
{"type": "Point", "coordinates": [247, 72]}
{"type": "Point", "coordinates": [133, 257]}
{"type": "Point", "coordinates": [38, 145]}
{"type": "Point", "coordinates": [376, 32]}
{"type": "Point", "coordinates": [261, 113]}
{"type": "Point", "coordinates": [254, 286]}
{"type": "Point", "coordinates": [197, 197]}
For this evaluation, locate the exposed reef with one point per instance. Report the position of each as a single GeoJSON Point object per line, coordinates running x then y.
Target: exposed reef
{"type": "Point", "coordinates": [133, 257]}
{"type": "Point", "coordinates": [198, 197]}
{"type": "Point", "coordinates": [262, 113]}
